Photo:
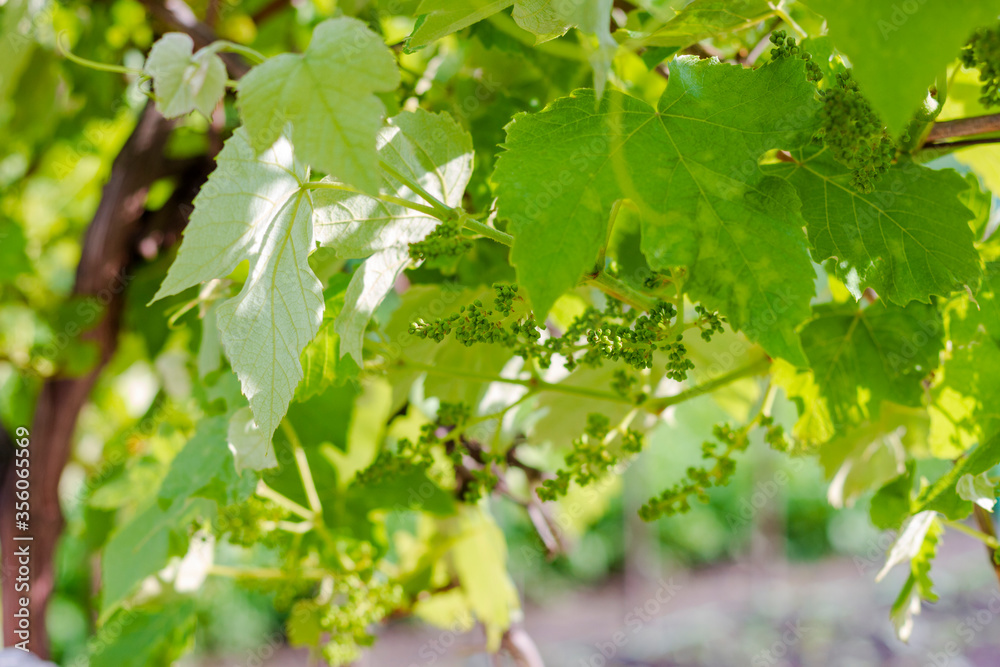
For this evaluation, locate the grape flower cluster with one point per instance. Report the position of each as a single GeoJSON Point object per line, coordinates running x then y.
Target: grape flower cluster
{"type": "Point", "coordinates": [447, 431]}
{"type": "Point", "coordinates": [983, 52]}
{"type": "Point", "coordinates": [719, 452]}
{"type": "Point", "coordinates": [250, 522]}
{"type": "Point", "coordinates": [591, 457]}
{"type": "Point", "coordinates": [613, 333]}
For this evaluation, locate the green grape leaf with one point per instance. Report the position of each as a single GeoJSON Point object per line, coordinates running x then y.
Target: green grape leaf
{"type": "Point", "coordinates": [545, 19]}
{"type": "Point", "coordinates": [428, 149]}
{"type": "Point", "coordinates": [322, 365]}
{"type": "Point", "coordinates": [250, 446]}
{"type": "Point", "coordinates": [707, 18]}
{"type": "Point", "coordinates": [325, 417]}
{"type": "Point", "coordinates": [593, 20]}
{"type": "Point", "coordinates": [904, 608]}
{"type": "Point", "coordinates": [144, 545]}
{"type": "Point", "coordinates": [908, 542]}
{"type": "Point", "coordinates": [814, 425]}
{"type": "Point", "coordinates": [204, 467]}
{"type": "Point", "coordinates": [253, 209]}
{"type": "Point", "coordinates": [920, 565]}
{"type": "Point", "coordinates": [897, 49]}
{"type": "Point", "coordinates": [480, 558]}
{"type": "Point", "coordinates": [328, 94]}
{"type": "Point", "coordinates": [184, 80]}
{"type": "Point", "coordinates": [918, 586]}
{"type": "Point", "coordinates": [862, 357]}
{"type": "Point", "coordinates": [147, 636]}
{"type": "Point", "coordinates": [862, 458]}
{"type": "Point", "coordinates": [942, 496]}
{"type": "Point", "coordinates": [210, 347]}
{"type": "Point", "coordinates": [443, 17]}
{"type": "Point", "coordinates": [963, 409]}
{"type": "Point", "coordinates": [691, 167]}
{"type": "Point", "coordinates": [891, 504]}
{"type": "Point", "coordinates": [980, 202]}
{"type": "Point", "coordinates": [907, 240]}
{"type": "Point", "coordinates": [964, 402]}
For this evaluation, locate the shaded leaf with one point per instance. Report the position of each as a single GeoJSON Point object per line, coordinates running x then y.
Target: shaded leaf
{"type": "Point", "coordinates": [184, 80]}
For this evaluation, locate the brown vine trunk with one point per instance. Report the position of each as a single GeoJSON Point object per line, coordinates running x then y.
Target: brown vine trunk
{"type": "Point", "coordinates": [102, 275]}
{"type": "Point", "coordinates": [120, 235]}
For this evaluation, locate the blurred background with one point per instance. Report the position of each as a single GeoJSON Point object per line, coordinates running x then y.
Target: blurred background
{"type": "Point", "coordinates": [765, 573]}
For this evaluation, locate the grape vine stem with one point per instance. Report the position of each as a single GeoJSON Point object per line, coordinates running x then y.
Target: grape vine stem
{"type": "Point", "coordinates": [389, 199]}
{"type": "Point", "coordinates": [964, 127]}
{"type": "Point", "coordinates": [302, 463]}
{"type": "Point", "coordinates": [267, 493]}
{"type": "Point", "coordinates": [989, 540]}
{"type": "Point", "coordinates": [756, 367]}
{"type": "Point", "coordinates": [653, 405]}
{"type": "Point", "coordinates": [266, 573]}
{"type": "Point", "coordinates": [536, 384]}
{"type": "Point", "coordinates": [985, 521]}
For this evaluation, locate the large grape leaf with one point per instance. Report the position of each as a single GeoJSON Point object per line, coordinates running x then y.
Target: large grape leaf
{"type": "Point", "coordinates": [252, 208]}
{"type": "Point", "coordinates": [862, 357]}
{"type": "Point", "coordinates": [328, 95]}
{"type": "Point", "coordinates": [907, 240]}
{"type": "Point", "coordinates": [429, 149]}
{"type": "Point", "coordinates": [898, 48]}
{"type": "Point", "coordinates": [705, 18]}
{"type": "Point", "coordinates": [183, 80]}
{"type": "Point", "coordinates": [691, 167]}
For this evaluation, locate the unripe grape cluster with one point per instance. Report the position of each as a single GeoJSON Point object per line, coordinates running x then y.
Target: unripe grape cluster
{"type": "Point", "coordinates": [785, 47]}
{"type": "Point", "coordinates": [983, 53]}
{"type": "Point", "coordinates": [854, 133]}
